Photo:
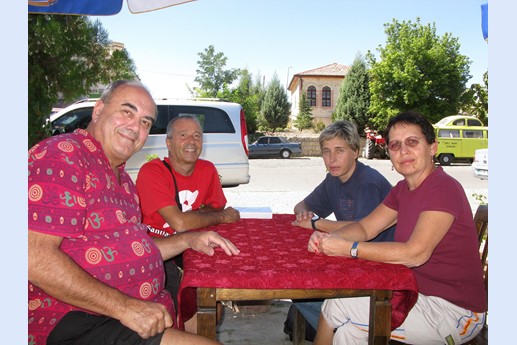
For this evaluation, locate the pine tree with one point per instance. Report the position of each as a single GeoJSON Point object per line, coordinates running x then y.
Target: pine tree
{"type": "Point", "coordinates": [354, 96]}
{"type": "Point", "coordinates": [304, 118]}
{"type": "Point", "coordinates": [276, 108]}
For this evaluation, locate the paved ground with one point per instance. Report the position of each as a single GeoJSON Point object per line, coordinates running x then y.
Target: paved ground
{"type": "Point", "coordinates": [256, 325]}
{"type": "Point", "coordinates": [281, 183]}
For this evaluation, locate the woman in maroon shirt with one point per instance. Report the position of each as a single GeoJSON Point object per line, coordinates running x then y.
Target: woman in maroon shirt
{"type": "Point", "coordinates": [435, 236]}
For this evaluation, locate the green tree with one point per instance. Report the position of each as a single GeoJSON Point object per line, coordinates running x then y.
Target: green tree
{"type": "Point", "coordinates": [418, 71]}
{"type": "Point", "coordinates": [354, 96]}
{"type": "Point", "coordinates": [276, 109]}
{"type": "Point", "coordinates": [67, 55]}
{"type": "Point", "coordinates": [211, 75]}
{"type": "Point", "coordinates": [259, 89]}
{"type": "Point", "coordinates": [475, 100]}
{"type": "Point", "coordinates": [120, 66]}
{"type": "Point", "coordinates": [248, 95]}
{"type": "Point", "coordinates": [304, 118]}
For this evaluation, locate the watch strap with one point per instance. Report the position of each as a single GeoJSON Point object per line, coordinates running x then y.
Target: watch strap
{"type": "Point", "coordinates": [353, 250]}
{"type": "Point", "coordinates": [313, 222]}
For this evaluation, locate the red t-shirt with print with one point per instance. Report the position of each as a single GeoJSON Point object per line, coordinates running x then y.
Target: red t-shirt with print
{"type": "Point", "coordinates": [156, 190]}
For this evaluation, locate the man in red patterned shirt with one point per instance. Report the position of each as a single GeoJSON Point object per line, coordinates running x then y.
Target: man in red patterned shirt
{"type": "Point", "coordinates": [95, 275]}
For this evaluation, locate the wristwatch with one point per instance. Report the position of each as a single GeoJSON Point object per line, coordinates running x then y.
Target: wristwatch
{"type": "Point", "coordinates": [353, 250]}
{"type": "Point", "coordinates": [314, 219]}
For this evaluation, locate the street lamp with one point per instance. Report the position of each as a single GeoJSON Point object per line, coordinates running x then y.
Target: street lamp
{"type": "Point", "coordinates": [287, 82]}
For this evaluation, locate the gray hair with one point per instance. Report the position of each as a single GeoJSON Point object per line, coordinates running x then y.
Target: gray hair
{"type": "Point", "coordinates": [107, 94]}
{"type": "Point", "coordinates": [343, 129]}
{"type": "Point", "coordinates": [181, 117]}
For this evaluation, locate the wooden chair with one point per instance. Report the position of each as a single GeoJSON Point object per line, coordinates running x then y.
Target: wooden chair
{"type": "Point", "coordinates": [481, 221]}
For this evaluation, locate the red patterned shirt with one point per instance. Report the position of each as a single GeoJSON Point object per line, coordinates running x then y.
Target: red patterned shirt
{"type": "Point", "coordinates": [74, 194]}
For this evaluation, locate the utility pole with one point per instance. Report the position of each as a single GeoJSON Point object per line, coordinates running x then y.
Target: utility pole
{"type": "Point", "coordinates": [287, 82]}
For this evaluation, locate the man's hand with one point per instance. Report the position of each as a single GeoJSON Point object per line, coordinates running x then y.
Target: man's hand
{"type": "Point", "coordinates": [206, 241]}
{"type": "Point", "coordinates": [303, 219]}
{"type": "Point", "coordinates": [146, 318]}
{"type": "Point", "coordinates": [230, 215]}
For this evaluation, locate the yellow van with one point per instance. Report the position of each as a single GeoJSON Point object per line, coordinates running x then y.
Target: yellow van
{"type": "Point", "coordinates": [459, 142]}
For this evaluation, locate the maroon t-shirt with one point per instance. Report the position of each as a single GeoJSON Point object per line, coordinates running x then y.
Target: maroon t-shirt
{"type": "Point", "coordinates": [454, 271]}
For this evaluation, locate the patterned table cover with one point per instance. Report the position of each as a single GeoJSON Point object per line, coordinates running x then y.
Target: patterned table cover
{"type": "Point", "coordinates": [274, 255]}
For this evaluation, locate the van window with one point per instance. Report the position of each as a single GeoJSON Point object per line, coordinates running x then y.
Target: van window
{"type": "Point", "coordinates": [467, 133]}
{"type": "Point", "coordinates": [67, 123]}
{"type": "Point", "coordinates": [212, 120]}
{"type": "Point", "coordinates": [474, 122]}
{"type": "Point", "coordinates": [75, 116]}
{"type": "Point", "coordinates": [449, 133]}
{"type": "Point", "coordinates": [164, 116]}
{"type": "Point", "coordinates": [460, 122]}
{"type": "Point", "coordinates": [470, 122]}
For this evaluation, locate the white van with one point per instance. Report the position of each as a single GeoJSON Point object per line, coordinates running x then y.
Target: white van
{"type": "Point", "coordinates": [225, 136]}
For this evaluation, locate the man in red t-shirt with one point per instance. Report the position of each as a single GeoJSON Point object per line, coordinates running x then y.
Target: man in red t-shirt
{"type": "Point", "coordinates": [180, 193]}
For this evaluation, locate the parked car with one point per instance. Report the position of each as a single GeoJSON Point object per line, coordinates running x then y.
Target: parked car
{"type": "Point", "coordinates": [480, 164]}
{"type": "Point", "coordinates": [225, 136]}
{"type": "Point", "coordinates": [273, 146]}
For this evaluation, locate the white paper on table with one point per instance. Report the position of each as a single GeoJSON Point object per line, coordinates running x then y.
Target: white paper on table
{"type": "Point", "coordinates": [257, 212]}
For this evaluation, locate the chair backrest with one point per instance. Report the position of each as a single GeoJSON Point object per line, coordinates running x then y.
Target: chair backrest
{"type": "Point", "coordinates": [481, 220]}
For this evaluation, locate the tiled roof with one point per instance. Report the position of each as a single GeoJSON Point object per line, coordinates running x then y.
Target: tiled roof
{"type": "Point", "coordinates": [333, 69]}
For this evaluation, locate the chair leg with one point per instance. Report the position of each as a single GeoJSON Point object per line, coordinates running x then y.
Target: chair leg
{"type": "Point", "coordinates": [299, 328]}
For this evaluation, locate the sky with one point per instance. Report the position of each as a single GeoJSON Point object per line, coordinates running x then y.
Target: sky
{"type": "Point", "coordinates": [283, 37]}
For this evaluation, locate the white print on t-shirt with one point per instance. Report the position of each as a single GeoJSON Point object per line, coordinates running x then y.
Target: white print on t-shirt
{"type": "Point", "coordinates": [187, 199]}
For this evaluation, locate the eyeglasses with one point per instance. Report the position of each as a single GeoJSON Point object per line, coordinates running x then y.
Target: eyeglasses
{"type": "Point", "coordinates": [395, 145]}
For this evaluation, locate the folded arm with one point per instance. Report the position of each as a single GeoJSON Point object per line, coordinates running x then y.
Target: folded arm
{"type": "Point", "coordinates": [184, 221]}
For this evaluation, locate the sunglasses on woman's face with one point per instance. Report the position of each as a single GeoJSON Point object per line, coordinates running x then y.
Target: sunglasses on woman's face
{"type": "Point", "coordinates": [395, 145]}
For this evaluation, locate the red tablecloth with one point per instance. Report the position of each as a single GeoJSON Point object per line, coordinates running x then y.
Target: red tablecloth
{"type": "Point", "coordinates": [274, 255]}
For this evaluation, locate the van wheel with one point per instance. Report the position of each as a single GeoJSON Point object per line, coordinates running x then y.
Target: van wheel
{"type": "Point", "coordinates": [445, 159]}
{"type": "Point", "coordinates": [285, 154]}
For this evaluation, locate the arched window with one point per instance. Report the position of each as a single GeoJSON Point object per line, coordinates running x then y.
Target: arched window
{"type": "Point", "coordinates": [311, 96]}
{"type": "Point", "coordinates": [325, 97]}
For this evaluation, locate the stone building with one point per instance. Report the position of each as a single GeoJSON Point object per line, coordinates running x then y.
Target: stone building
{"type": "Point", "coordinates": [321, 87]}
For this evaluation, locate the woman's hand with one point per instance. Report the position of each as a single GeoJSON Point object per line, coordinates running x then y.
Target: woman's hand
{"type": "Point", "coordinates": [326, 243]}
